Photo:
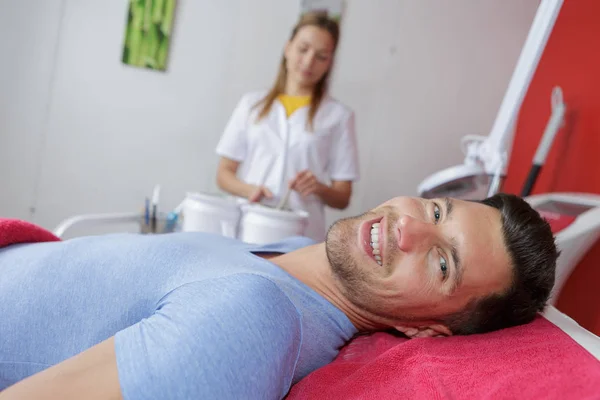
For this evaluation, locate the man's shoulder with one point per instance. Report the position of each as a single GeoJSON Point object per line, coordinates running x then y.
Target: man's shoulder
{"type": "Point", "coordinates": [249, 284]}
{"type": "Point", "coordinates": [244, 292]}
{"type": "Point", "coordinates": [235, 336]}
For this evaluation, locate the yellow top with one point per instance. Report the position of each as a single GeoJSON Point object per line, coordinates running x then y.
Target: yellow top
{"type": "Point", "coordinates": [292, 103]}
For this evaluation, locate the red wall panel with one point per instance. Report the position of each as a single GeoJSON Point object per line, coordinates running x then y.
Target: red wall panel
{"type": "Point", "coordinates": [571, 60]}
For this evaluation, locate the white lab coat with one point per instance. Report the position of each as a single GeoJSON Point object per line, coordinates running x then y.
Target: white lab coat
{"type": "Point", "coordinates": [330, 151]}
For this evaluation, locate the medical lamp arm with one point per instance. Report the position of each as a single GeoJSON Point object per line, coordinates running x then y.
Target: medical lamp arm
{"type": "Point", "coordinates": [494, 152]}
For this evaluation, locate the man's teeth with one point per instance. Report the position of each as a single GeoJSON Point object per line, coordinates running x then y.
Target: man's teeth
{"type": "Point", "coordinates": [375, 243]}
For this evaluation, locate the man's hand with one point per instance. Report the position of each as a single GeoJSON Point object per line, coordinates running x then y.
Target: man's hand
{"type": "Point", "coordinates": [306, 183]}
{"type": "Point", "coordinates": [259, 193]}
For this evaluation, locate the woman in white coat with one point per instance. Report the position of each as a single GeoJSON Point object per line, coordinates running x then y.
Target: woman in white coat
{"type": "Point", "coordinates": [294, 135]}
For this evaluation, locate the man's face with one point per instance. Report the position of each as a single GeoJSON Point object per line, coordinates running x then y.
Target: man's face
{"type": "Point", "coordinates": [419, 259]}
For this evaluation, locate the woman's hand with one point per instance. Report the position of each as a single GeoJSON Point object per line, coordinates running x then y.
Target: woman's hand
{"type": "Point", "coordinates": [258, 193]}
{"type": "Point", "coordinates": [228, 181]}
{"type": "Point", "coordinates": [337, 195]}
{"type": "Point", "coordinates": [306, 183]}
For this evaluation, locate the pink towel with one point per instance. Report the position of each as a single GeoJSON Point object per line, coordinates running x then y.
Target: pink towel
{"type": "Point", "coordinates": [534, 361]}
{"type": "Point", "coordinates": [13, 231]}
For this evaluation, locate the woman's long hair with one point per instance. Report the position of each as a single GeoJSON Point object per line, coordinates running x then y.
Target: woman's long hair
{"type": "Point", "coordinates": [319, 20]}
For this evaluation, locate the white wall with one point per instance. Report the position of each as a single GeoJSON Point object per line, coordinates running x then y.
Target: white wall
{"type": "Point", "coordinates": [80, 132]}
{"type": "Point", "coordinates": [28, 40]}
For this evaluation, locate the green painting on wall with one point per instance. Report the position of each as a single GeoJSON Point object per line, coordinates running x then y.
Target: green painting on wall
{"type": "Point", "coordinates": [148, 33]}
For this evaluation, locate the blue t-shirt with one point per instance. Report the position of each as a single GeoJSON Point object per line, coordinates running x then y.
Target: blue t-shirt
{"type": "Point", "coordinates": [195, 316]}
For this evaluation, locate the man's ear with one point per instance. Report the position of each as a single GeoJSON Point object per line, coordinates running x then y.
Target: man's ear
{"type": "Point", "coordinates": [431, 330]}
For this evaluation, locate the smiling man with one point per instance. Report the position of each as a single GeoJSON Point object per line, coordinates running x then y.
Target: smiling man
{"type": "Point", "coordinates": [438, 267]}
{"type": "Point", "coordinates": [199, 316]}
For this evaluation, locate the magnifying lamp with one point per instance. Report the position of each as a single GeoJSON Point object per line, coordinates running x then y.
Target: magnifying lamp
{"type": "Point", "coordinates": [486, 158]}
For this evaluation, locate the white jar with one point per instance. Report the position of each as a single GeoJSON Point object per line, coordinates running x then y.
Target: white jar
{"type": "Point", "coordinates": [263, 225]}
{"type": "Point", "coordinates": [210, 213]}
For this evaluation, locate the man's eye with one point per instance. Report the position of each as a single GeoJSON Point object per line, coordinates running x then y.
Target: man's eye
{"type": "Point", "coordinates": [443, 267]}
{"type": "Point", "coordinates": [436, 213]}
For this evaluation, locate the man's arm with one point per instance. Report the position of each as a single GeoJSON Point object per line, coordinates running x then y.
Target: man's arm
{"type": "Point", "coordinates": [225, 338]}
{"type": "Point", "coordinates": [91, 375]}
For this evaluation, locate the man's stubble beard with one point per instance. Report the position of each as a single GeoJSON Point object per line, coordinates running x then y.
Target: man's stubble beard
{"type": "Point", "coordinates": [339, 246]}
{"type": "Point", "coordinates": [352, 278]}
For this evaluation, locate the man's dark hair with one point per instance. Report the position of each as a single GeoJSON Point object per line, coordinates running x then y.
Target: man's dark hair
{"type": "Point", "coordinates": [533, 253]}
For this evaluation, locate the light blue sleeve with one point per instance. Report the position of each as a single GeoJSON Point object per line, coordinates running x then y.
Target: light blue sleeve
{"type": "Point", "coordinates": [235, 337]}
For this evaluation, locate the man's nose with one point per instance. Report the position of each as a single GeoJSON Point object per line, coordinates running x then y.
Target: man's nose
{"type": "Point", "coordinates": [414, 234]}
